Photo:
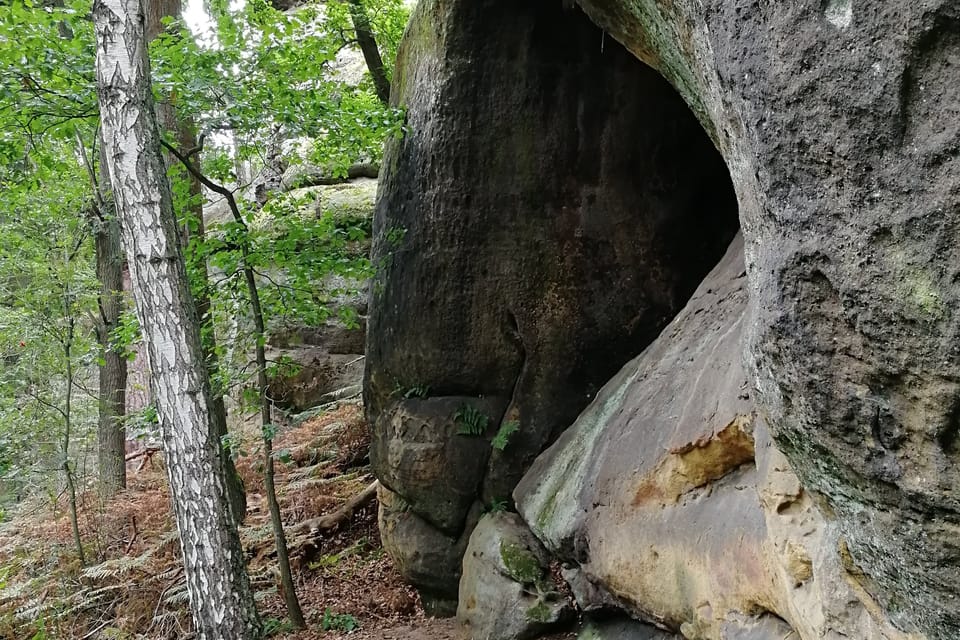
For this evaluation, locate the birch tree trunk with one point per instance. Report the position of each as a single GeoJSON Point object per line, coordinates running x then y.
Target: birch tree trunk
{"type": "Point", "coordinates": [183, 130]}
{"type": "Point", "coordinates": [220, 595]}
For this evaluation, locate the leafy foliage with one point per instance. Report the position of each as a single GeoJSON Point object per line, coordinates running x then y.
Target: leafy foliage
{"type": "Point", "coordinates": [333, 621]}
{"type": "Point", "coordinates": [502, 439]}
{"type": "Point", "coordinates": [254, 78]}
{"type": "Point", "coordinates": [498, 506]}
{"type": "Point", "coordinates": [260, 75]}
{"type": "Point", "coordinates": [471, 421]}
{"type": "Point", "coordinates": [47, 288]}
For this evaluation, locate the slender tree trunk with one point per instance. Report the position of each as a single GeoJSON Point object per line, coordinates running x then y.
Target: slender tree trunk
{"type": "Point", "coordinates": [67, 426]}
{"type": "Point", "coordinates": [266, 421]}
{"type": "Point", "coordinates": [283, 559]}
{"type": "Point", "coordinates": [192, 231]}
{"type": "Point", "coordinates": [111, 435]}
{"type": "Point", "coordinates": [371, 52]}
{"type": "Point", "coordinates": [221, 598]}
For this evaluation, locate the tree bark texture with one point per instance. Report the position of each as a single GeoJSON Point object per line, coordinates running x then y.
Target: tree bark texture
{"type": "Point", "coordinates": [221, 598]}
{"type": "Point", "coordinates": [112, 395]}
{"type": "Point", "coordinates": [192, 228]}
{"type": "Point", "coordinates": [371, 52]}
{"type": "Point", "coordinates": [283, 558]}
{"type": "Point", "coordinates": [111, 435]}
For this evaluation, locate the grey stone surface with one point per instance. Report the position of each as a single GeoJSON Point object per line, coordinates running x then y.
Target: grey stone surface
{"type": "Point", "coordinates": [667, 499]}
{"type": "Point", "coordinates": [623, 629]}
{"type": "Point", "coordinates": [506, 592]}
{"type": "Point", "coordinates": [424, 453]}
{"type": "Point", "coordinates": [839, 121]}
{"type": "Point", "coordinates": [422, 553]}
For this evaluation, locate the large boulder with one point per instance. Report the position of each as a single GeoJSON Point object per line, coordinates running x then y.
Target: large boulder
{"type": "Point", "coordinates": [507, 591]}
{"type": "Point", "coordinates": [551, 206]}
{"type": "Point", "coordinates": [427, 453]}
{"type": "Point", "coordinates": [840, 122]}
{"type": "Point", "coordinates": [423, 554]}
{"type": "Point", "coordinates": [669, 498]}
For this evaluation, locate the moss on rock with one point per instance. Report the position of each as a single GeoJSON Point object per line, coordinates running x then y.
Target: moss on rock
{"type": "Point", "coordinates": [521, 563]}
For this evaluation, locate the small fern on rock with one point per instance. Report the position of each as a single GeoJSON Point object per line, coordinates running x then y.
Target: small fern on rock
{"type": "Point", "coordinates": [502, 439]}
{"type": "Point", "coordinates": [471, 421]}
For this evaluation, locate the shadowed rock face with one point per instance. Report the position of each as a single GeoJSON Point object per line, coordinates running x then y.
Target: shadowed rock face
{"type": "Point", "coordinates": [552, 206]}
{"type": "Point", "coordinates": [839, 122]}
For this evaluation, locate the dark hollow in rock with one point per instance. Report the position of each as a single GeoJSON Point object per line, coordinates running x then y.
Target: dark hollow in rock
{"type": "Point", "coordinates": [551, 208]}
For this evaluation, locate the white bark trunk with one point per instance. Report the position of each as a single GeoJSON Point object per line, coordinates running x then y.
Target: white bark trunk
{"type": "Point", "coordinates": [220, 595]}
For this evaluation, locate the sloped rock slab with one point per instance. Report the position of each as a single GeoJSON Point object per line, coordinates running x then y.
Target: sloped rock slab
{"type": "Point", "coordinates": [670, 501]}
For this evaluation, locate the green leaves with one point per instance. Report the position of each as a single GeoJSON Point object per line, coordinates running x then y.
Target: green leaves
{"type": "Point", "coordinates": [259, 72]}
{"type": "Point", "coordinates": [47, 291]}
{"type": "Point", "coordinates": [471, 421]}
{"type": "Point", "coordinates": [338, 621]}
{"type": "Point", "coordinates": [46, 72]}
{"type": "Point", "coordinates": [256, 78]}
{"type": "Point", "coordinates": [502, 439]}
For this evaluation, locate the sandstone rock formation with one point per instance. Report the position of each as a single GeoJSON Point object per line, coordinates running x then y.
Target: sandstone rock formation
{"type": "Point", "coordinates": [533, 230]}
{"type": "Point", "coordinates": [667, 499]}
{"type": "Point", "coordinates": [622, 629]}
{"type": "Point", "coordinates": [839, 122]}
{"type": "Point", "coordinates": [326, 357]}
{"type": "Point", "coordinates": [532, 236]}
{"type": "Point", "coordinates": [506, 591]}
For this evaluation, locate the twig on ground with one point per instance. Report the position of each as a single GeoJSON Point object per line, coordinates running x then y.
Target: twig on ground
{"type": "Point", "coordinates": [328, 521]}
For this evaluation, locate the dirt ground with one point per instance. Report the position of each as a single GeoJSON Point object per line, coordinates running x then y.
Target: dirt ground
{"type": "Point", "coordinates": [133, 585]}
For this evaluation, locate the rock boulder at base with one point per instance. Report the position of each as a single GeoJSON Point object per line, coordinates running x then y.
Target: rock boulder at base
{"type": "Point", "coordinates": [423, 554]}
{"type": "Point", "coordinates": [428, 453]}
{"type": "Point", "coordinates": [550, 207]}
{"type": "Point", "coordinates": [622, 629]}
{"type": "Point", "coordinates": [506, 591]}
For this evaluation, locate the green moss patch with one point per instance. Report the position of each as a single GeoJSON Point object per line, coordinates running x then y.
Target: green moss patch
{"type": "Point", "coordinates": [521, 564]}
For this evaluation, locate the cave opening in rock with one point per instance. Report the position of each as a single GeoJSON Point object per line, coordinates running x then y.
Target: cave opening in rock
{"type": "Point", "coordinates": [613, 179]}
{"type": "Point", "coordinates": [559, 204]}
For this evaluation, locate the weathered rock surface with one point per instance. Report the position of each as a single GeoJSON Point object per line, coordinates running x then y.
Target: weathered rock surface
{"type": "Point", "coordinates": [551, 207]}
{"type": "Point", "coordinates": [327, 356]}
{"type": "Point", "coordinates": [620, 629]}
{"type": "Point", "coordinates": [506, 592]}
{"type": "Point", "coordinates": [839, 122]}
{"type": "Point", "coordinates": [312, 374]}
{"type": "Point", "coordinates": [670, 498]}
{"type": "Point", "coordinates": [423, 554]}
{"type": "Point", "coordinates": [764, 627]}
{"type": "Point", "coordinates": [426, 453]}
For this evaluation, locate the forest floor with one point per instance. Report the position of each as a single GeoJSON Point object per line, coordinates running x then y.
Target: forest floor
{"type": "Point", "coordinates": [133, 584]}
